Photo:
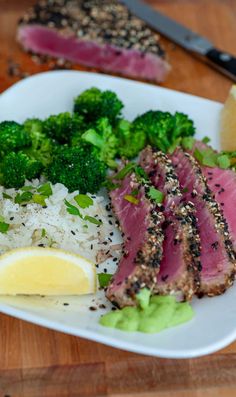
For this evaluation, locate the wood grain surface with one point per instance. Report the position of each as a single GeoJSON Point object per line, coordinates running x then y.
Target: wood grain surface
{"type": "Point", "coordinates": [37, 362]}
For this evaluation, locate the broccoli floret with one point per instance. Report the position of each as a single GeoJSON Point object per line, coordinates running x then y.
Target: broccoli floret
{"type": "Point", "coordinates": [157, 126]}
{"type": "Point", "coordinates": [16, 168]}
{"type": "Point", "coordinates": [42, 146]}
{"type": "Point", "coordinates": [104, 140]}
{"type": "Point", "coordinates": [94, 104]}
{"type": "Point", "coordinates": [183, 126]}
{"type": "Point", "coordinates": [78, 169]}
{"type": "Point", "coordinates": [131, 139]}
{"type": "Point", "coordinates": [12, 137]}
{"type": "Point", "coordinates": [163, 129]}
{"type": "Point", "coordinates": [63, 126]}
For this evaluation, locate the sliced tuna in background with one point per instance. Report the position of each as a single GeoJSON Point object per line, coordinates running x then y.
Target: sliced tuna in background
{"type": "Point", "coordinates": [97, 33]}
{"type": "Point", "coordinates": [217, 254]}
{"type": "Point", "coordinates": [180, 265]}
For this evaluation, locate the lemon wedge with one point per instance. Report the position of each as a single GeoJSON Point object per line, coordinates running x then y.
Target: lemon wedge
{"type": "Point", "coordinates": [228, 122]}
{"type": "Point", "coordinates": [45, 271]}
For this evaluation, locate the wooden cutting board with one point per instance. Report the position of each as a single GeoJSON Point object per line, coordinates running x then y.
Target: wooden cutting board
{"type": "Point", "coordinates": [36, 362]}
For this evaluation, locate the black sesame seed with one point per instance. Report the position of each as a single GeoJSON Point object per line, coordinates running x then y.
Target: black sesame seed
{"type": "Point", "coordinates": [66, 304]}
{"type": "Point", "coordinates": [164, 278]}
{"type": "Point", "coordinates": [92, 308]}
{"type": "Point", "coordinates": [215, 245]}
{"type": "Point", "coordinates": [72, 232]}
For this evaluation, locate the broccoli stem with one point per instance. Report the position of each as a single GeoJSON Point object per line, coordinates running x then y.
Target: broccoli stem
{"type": "Point", "coordinates": [91, 136]}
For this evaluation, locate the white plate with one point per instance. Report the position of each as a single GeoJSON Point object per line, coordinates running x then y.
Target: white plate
{"type": "Point", "coordinates": [214, 325]}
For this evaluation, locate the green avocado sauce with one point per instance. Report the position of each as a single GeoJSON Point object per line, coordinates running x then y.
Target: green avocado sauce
{"type": "Point", "coordinates": [152, 315]}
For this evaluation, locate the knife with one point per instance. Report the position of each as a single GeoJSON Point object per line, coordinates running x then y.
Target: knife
{"type": "Point", "coordinates": [191, 41]}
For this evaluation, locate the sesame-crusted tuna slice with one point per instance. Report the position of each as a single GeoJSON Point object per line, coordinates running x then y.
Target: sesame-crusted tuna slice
{"type": "Point", "coordinates": [95, 33]}
{"type": "Point", "coordinates": [217, 254]}
{"type": "Point", "coordinates": [180, 265]}
{"type": "Point", "coordinates": [222, 183]}
{"type": "Point", "coordinates": [140, 221]}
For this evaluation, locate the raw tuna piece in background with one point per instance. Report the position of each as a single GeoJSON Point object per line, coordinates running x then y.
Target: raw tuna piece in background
{"type": "Point", "coordinates": [143, 240]}
{"type": "Point", "coordinates": [217, 254]}
{"type": "Point", "coordinates": [180, 265]}
{"type": "Point", "coordinates": [96, 33]}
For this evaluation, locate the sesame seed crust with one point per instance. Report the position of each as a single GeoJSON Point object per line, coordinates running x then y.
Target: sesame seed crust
{"type": "Point", "coordinates": [148, 258]}
{"type": "Point", "coordinates": [221, 227]}
{"type": "Point", "coordinates": [101, 21]}
{"type": "Point", "coordinates": [181, 217]}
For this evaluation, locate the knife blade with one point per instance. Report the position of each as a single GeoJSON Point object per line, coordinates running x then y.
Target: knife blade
{"type": "Point", "coordinates": [186, 38]}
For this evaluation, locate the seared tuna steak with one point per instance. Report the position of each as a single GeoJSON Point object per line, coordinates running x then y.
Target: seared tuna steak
{"type": "Point", "coordinates": [96, 33]}
{"type": "Point", "coordinates": [140, 221]}
{"type": "Point", "coordinates": [223, 185]}
{"type": "Point", "coordinates": [217, 254]}
{"type": "Point", "coordinates": [179, 269]}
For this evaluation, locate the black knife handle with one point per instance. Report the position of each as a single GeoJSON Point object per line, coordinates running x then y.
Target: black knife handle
{"type": "Point", "coordinates": [223, 61]}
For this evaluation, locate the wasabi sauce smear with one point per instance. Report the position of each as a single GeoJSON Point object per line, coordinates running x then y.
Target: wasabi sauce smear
{"type": "Point", "coordinates": [152, 315]}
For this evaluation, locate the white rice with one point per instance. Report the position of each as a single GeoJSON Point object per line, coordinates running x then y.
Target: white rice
{"type": "Point", "coordinates": [29, 223]}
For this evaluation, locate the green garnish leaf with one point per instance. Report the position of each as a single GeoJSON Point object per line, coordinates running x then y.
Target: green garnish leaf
{"type": "Point", "coordinates": [198, 155]}
{"type": "Point", "coordinates": [104, 279]}
{"type": "Point", "coordinates": [206, 157]}
{"type": "Point", "coordinates": [134, 192]}
{"type": "Point", "coordinates": [43, 233]}
{"type": "Point", "coordinates": [26, 188]}
{"type": "Point", "coordinates": [140, 173]}
{"type": "Point", "coordinates": [188, 142]}
{"type": "Point", "coordinates": [110, 185]}
{"type": "Point", "coordinates": [23, 198]}
{"type": "Point", "coordinates": [6, 196]}
{"type": "Point", "coordinates": [125, 171]}
{"type": "Point", "coordinates": [4, 227]}
{"type": "Point", "coordinates": [185, 190]}
{"type": "Point", "coordinates": [131, 199]}
{"type": "Point", "coordinates": [223, 161]}
{"type": "Point", "coordinates": [209, 161]}
{"type": "Point", "coordinates": [156, 195]}
{"type": "Point", "coordinates": [83, 200]}
{"type": "Point", "coordinates": [71, 209]}
{"type": "Point", "coordinates": [206, 139]}
{"type": "Point", "coordinates": [39, 199]}
{"type": "Point", "coordinates": [45, 190]}
{"type": "Point", "coordinates": [93, 220]}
